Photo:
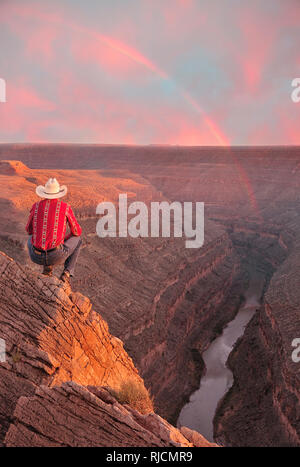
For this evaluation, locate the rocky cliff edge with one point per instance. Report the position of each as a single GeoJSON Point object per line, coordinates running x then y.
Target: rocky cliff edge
{"type": "Point", "coordinates": [61, 370]}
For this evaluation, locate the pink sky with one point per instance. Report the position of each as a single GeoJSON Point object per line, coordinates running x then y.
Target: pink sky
{"type": "Point", "coordinates": [179, 72]}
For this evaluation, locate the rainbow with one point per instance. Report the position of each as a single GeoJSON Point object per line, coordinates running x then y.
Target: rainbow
{"type": "Point", "coordinates": [139, 58]}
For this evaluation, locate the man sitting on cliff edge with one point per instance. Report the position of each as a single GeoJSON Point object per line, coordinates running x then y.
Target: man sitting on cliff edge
{"type": "Point", "coordinates": [47, 225]}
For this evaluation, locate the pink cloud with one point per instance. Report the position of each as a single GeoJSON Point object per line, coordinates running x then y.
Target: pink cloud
{"type": "Point", "coordinates": [87, 109]}
{"type": "Point", "coordinates": [40, 43]}
{"type": "Point", "coordinates": [23, 109]}
{"type": "Point", "coordinates": [79, 103]}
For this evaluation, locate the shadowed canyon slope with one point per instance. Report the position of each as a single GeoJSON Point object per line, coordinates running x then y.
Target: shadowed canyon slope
{"type": "Point", "coordinates": [166, 302]}
{"type": "Point", "coordinates": [266, 392]}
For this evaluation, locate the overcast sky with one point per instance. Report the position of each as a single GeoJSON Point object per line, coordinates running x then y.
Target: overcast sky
{"type": "Point", "coordinates": [187, 72]}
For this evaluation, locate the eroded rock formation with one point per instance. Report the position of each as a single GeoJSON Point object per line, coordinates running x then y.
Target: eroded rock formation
{"type": "Point", "coordinates": [73, 415]}
{"type": "Point", "coordinates": [262, 408]}
{"type": "Point", "coordinates": [59, 354]}
{"type": "Point", "coordinates": [166, 302]}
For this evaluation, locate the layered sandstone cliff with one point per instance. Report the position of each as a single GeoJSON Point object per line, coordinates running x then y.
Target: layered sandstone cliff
{"type": "Point", "coordinates": [262, 408]}
{"type": "Point", "coordinates": [73, 415]}
{"type": "Point", "coordinates": [62, 370]}
{"type": "Point", "coordinates": [165, 302]}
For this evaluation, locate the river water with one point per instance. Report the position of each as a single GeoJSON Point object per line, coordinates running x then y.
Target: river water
{"type": "Point", "coordinates": [199, 412]}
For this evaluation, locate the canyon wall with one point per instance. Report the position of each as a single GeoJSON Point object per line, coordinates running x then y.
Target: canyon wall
{"type": "Point", "coordinates": [262, 407]}
{"type": "Point", "coordinates": [61, 372]}
{"type": "Point", "coordinates": [166, 302]}
{"type": "Point", "coordinates": [52, 335]}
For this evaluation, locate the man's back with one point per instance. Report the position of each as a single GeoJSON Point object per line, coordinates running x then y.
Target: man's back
{"type": "Point", "coordinates": [47, 223]}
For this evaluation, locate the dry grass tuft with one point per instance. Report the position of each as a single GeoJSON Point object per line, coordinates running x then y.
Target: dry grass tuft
{"type": "Point", "coordinates": [134, 394]}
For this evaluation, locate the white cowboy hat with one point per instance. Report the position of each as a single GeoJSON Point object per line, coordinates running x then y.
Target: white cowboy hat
{"type": "Point", "coordinates": [51, 190]}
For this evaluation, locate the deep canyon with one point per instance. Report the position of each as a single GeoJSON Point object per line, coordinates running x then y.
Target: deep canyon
{"type": "Point", "coordinates": [168, 303]}
{"type": "Point", "coordinates": [199, 413]}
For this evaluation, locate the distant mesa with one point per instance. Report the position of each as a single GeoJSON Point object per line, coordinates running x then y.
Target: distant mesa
{"type": "Point", "coordinates": [12, 168]}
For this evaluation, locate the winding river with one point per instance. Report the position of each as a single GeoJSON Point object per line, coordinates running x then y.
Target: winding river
{"type": "Point", "coordinates": [199, 412]}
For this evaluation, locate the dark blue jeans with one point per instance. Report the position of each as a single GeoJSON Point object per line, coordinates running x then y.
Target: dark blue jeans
{"type": "Point", "coordinates": [67, 253]}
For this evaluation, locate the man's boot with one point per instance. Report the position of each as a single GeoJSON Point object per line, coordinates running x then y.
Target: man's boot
{"type": "Point", "coordinates": [65, 277]}
{"type": "Point", "coordinates": [47, 271]}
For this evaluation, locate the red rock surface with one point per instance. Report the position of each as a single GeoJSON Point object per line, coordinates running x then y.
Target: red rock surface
{"type": "Point", "coordinates": [167, 303]}
{"type": "Point", "coordinates": [132, 282]}
{"type": "Point", "coordinates": [52, 335]}
{"type": "Point", "coordinates": [59, 353]}
{"type": "Point", "coordinates": [73, 415]}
